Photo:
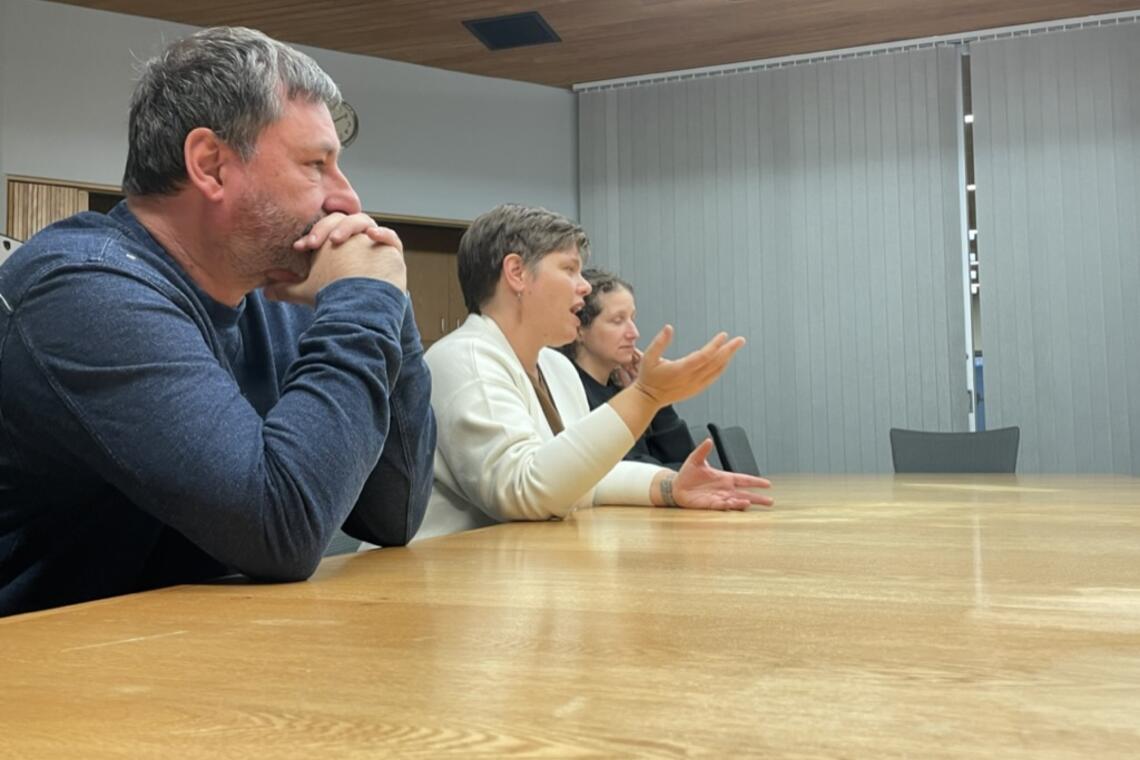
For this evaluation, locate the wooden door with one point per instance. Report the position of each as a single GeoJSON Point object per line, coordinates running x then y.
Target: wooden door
{"type": "Point", "coordinates": [456, 310]}
{"type": "Point", "coordinates": [428, 276]}
{"type": "Point", "coordinates": [429, 250]}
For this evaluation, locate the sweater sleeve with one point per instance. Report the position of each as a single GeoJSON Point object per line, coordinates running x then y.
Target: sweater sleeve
{"type": "Point", "coordinates": [391, 506]}
{"type": "Point", "coordinates": [490, 442]}
{"type": "Point", "coordinates": [137, 395]}
{"type": "Point", "coordinates": [627, 484]}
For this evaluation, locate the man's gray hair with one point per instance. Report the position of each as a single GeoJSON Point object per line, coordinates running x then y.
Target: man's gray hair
{"type": "Point", "coordinates": [232, 80]}
{"type": "Point", "coordinates": [529, 231]}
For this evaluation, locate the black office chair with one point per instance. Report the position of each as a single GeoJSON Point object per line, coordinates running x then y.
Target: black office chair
{"type": "Point", "coordinates": [734, 449]}
{"type": "Point", "coordinates": [342, 543]}
{"type": "Point", "coordinates": [984, 451]}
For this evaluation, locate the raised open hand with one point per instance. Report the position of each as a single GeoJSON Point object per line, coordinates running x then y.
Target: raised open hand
{"type": "Point", "coordinates": [669, 381]}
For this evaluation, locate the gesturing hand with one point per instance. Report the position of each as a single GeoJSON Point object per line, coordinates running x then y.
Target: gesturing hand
{"type": "Point", "coordinates": [667, 382]}
{"type": "Point", "coordinates": [699, 485]}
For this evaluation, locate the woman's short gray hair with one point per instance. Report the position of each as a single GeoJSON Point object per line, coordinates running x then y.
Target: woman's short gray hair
{"type": "Point", "coordinates": [232, 80]}
{"type": "Point", "coordinates": [529, 231]}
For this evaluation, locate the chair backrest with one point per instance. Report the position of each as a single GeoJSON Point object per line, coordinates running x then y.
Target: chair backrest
{"type": "Point", "coordinates": [342, 543]}
{"type": "Point", "coordinates": [734, 449]}
{"type": "Point", "coordinates": [984, 451]}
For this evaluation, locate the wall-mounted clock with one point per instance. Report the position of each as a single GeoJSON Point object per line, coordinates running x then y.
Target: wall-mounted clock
{"type": "Point", "coordinates": [346, 121]}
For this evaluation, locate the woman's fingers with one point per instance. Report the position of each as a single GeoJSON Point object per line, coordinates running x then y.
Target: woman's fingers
{"type": "Point", "coordinates": [700, 454]}
{"type": "Point", "coordinates": [740, 480]}
{"type": "Point", "coordinates": [701, 374]}
{"type": "Point", "coordinates": [760, 499]}
{"type": "Point", "coordinates": [657, 346]}
{"type": "Point", "coordinates": [667, 382]}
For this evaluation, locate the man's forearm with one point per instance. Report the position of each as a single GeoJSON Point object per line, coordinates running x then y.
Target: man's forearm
{"type": "Point", "coordinates": [392, 504]}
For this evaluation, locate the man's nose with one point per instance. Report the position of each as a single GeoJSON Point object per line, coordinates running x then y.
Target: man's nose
{"type": "Point", "coordinates": [341, 197]}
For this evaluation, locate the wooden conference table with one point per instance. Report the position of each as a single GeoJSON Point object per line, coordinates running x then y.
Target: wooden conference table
{"type": "Point", "coordinates": [862, 617]}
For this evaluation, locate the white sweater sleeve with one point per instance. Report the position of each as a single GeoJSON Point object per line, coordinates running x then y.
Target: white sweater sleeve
{"type": "Point", "coordinates": [626, 484]}
{"type": "Point", "coordinates": [502, 458]}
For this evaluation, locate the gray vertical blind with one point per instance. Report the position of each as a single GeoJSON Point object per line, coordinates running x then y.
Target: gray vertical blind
{"type": "Point", "coordinates": [1057, 156]}
{"type": "Point", "coordinates": [816, 211]}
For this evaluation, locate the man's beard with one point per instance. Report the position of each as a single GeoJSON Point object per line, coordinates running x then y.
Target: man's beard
{"type": "Point", "coordinates": [264, 242]}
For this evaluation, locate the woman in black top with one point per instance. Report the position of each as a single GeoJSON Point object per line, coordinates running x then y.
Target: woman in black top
{"type": "Point", "coordinates": [607, 358]}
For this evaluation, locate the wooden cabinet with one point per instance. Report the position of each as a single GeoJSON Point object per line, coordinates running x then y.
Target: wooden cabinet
{"type": "Point", "coordinates": [34, 205]}
{"type": "Point", "coordinates": [433, 280]}
{"type": "Point", "coordinates": [429, 281]}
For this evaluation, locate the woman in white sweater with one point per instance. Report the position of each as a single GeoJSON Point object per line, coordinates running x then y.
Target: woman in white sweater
{"type": "Point", "coordinates": [516, 438]}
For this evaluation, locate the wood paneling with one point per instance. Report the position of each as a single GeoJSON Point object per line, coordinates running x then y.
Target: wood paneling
{"type": "Point", "coordinates": [33, 206]}
{"type": "Point", "coordinates": [605, 39]}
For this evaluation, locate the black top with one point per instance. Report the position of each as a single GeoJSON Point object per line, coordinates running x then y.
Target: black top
{"type": "Point", "coordinates": [666, 442]}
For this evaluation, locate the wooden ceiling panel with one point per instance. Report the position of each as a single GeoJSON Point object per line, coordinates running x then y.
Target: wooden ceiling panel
{"type": "Point", "coordinates": [607, 39]}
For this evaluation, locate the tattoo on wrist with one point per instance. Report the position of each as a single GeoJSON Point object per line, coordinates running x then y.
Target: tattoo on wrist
{"type": "Point", "coordinates": [667, 491]}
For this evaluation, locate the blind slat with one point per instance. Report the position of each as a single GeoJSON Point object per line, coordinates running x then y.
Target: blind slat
{"type": "Point", "coordinates": [815, 211]}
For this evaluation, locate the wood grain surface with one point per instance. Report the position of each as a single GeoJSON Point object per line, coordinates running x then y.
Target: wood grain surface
{"type": "Point", "coordinates": [604, 39]}
{"type": "Point", "coordinates": [861, 617]}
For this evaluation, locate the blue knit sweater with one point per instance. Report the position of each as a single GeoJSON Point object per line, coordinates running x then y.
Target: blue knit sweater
{"type": "Point", "coordinates": [150, 435]}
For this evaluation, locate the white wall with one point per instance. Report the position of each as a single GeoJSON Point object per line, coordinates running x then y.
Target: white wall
{"type": "Point", "coordinates": [432, 142]}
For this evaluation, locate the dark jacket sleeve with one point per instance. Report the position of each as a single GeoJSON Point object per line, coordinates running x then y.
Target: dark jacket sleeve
{"type": "Point", "coordinates": [139, 397]}
{"type": "Point", "coordinates": [668, 438]}
{"type": "Point", "coordinates": [392, 504]}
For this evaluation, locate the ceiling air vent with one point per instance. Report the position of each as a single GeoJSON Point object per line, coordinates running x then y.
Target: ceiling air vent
{"type": "Point", "coordinates": [516, 30]}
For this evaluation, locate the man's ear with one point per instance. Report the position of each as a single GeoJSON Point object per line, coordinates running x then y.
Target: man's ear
{"type": "Point", "coordinates": [514, 271]}
{"type": "Point", "coordinates": [205, 155]}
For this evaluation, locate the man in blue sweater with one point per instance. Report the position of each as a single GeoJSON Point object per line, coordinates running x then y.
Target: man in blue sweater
{"type": "Point", "coordinates": [224, 370]}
